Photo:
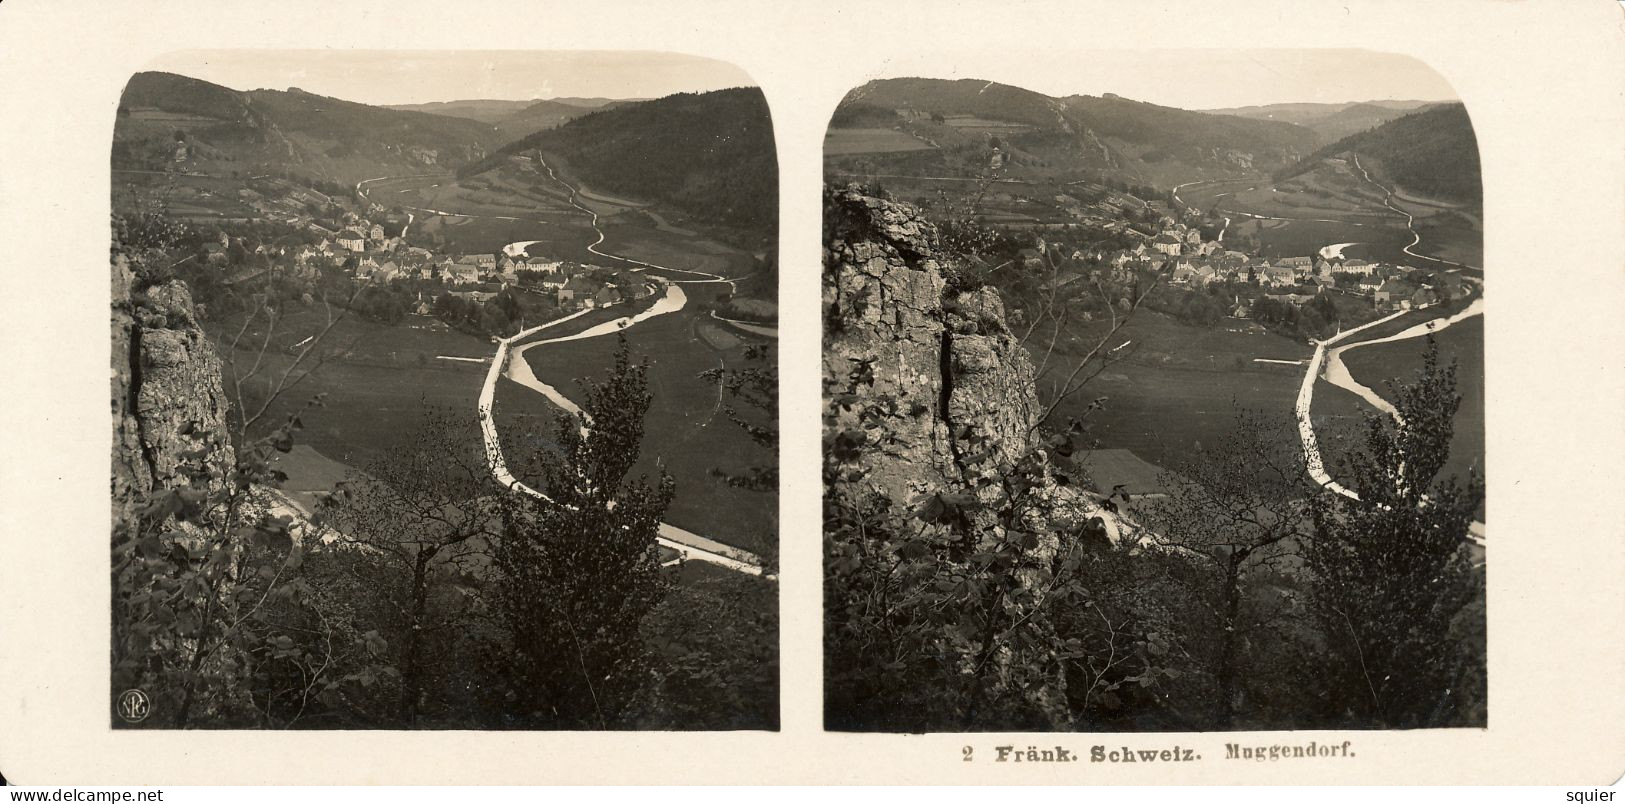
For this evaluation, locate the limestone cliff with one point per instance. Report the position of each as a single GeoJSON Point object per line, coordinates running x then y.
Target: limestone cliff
{"type": "Point", "coordinates": [957, 397]}
{"type": "Point", "coordinates": [166, 391]}
{"type": "Point", "coordinates": [946, 356]}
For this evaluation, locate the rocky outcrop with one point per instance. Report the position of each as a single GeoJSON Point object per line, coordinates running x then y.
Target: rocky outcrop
{"type": "Point", "coordinates": [962, 382]}
{"type": "Point", "coordinates": [883, 316]}
{"type": "Point", "coordinates": [932, 393]}
{"type": "Point", "coordinates": [166, 391]}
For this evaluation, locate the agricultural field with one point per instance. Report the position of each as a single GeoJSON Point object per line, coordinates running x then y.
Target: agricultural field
{"type": "Point", "coordinates": [310, 474]}
{"type": "Point", "coordinates": [653, 245]}
{"type": "Point", "coordinates": [974, 123]}
{"type": "Point", "coordinates": [1182, 386]}
{"type": "Point", "coordinates": [1339, 418]}
{"type": "Point", "coordinates": [466, 235]}
{"type": "Point", "coordinates": [1304, 238]}
{"type": "Point", "coordinates": [376, 381]}
{"type": "Point", "coordinates": [184, 195]}
{"type": "Point", "coordinates": [843, 141]}
{"type": "Point", "coordinates": [1110, 468]}
{"type": "Point", "coordinates": [1305, 214]}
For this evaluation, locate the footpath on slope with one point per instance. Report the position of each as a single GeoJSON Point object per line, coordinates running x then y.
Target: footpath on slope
{"type": "Point", "coordinates": [639, 265]}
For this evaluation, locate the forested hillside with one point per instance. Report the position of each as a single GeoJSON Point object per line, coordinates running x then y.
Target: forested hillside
{"type": "Point", "coordinates": [485, 111]}
{"type": "Point", "coordinates": [1332, 121]}
{"type": "Point", "coordinates": [709, 155]}
{"type": "Point", "coordinates": [1433, 152]}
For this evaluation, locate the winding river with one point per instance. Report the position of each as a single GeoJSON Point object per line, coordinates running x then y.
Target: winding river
{"type": "Point", "coordinates": [509, 361]}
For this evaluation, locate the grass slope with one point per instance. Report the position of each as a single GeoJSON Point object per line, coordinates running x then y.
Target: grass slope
{"type": "Point", "coordinates": [1182, 386]}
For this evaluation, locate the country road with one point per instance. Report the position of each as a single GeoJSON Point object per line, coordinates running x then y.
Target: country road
{"type": "Point", "coordinates": [1256, 216]}
{"type": "Point", "coordinates": [1410, 221]}
{"type": "Point", "coordinates": [1327, 362]}
{"type": "Point", "coordinates": [593, 247]}
{"type": "Point", "coordinates": [509, 361]}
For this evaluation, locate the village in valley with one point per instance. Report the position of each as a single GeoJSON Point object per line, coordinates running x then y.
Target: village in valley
{"type": "Point", "coordinates": [1245, 345]}
{"type": "Point", "coordinates": [499, 358]}
{"type": "Point", "coordinates": [345, 239]}
{"type": "Point", "coordinates": [1179, 257]}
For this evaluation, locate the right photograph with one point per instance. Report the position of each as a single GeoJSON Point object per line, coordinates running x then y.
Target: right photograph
{"type": "Point", "coordinates": [1154, 398]}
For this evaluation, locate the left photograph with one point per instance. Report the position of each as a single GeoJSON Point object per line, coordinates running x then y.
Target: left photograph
{"type": "Point", "coordinates": [444, 393]}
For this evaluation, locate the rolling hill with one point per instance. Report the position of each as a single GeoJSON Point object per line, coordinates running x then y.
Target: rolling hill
{"type": "Point", "coordinates": [543, 115]}
{"type": "Point", "coordinates": [1046, 137]}
{"type": "Point", "coordinates": [168, 121]}
{"type": "Point", "coordinates": [1331, 121]}
{"type": "Point", "coordinates": [485, 111]}
{"type": "Point", "coordinates": [514, 119]}
{"type": "Point", "coordinates": [1209, 144]}
{"type": "Point", "coordinates": [709, 155]}
{"type": "Point", "coordinates": [1432, 152]}
{"type": "Point", "coordinates": [596, 103]}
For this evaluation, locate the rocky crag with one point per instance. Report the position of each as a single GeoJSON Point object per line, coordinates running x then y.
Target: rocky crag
{"type": "Point", "coordinates": [945, 355]}
{"type": "Point", "coordinates": [942, 356]}
{"type": "Point", "coordinates": [166, 392]}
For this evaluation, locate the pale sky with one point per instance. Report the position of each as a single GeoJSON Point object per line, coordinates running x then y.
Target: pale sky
{"type": "Point", "coordinates": [382, 77]}
{"type": "Point", "coordinates": [1195, 79]}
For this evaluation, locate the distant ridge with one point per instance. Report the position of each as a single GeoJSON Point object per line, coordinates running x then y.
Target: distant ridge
{"type": "Point", "coordinates": [485, 111]}
{"type": "Point", "coordinates": [1433, 152]}
{"type": "Point", "coordinates": [167, 121]}
{"type": "Point", "coordinates": [1070, 137]}
{"type": "Point", "coordinates": [1332, 121]}
{"type": "Point", "coordinates": [1300, 112]}
{"type": "Point", "coordinates": [710, 155]}
{"type": "Point", "coordinates": [513, 119]}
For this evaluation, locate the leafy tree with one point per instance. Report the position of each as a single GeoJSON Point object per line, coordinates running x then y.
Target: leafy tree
{"type": "Point", "coordinates": [425, 510]}
{"type": "Point", "coordinates": [1236, 513]}
{"type": "Point", "coordinates": [579, 569]}
{"type": "Point", "coordinates": [1394, 586]}
{"type": "Point", "coordinates": [202, 561]}
{"type": "Point", "coordinates": [716, 636]}
{"type": "Point", "coordinates": [191, 573]}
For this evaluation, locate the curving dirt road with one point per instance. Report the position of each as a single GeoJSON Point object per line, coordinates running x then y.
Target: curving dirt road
{"type": "Point", "coordinates": [509, 361]}
{"type": "Point", "coordinates": [641, 265]}
{"type": "Point", "coordinates": [1327, 362]}
{"type": "Point", "coordinates": [1410, 221]}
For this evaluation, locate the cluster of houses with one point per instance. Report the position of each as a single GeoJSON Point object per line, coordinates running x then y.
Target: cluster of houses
{"type": "Point", "coordinates": [478, 277]}
{"type": "Point", "coordinates": [572, 286]}
{"type": "Point", "coordinates": [1180, 255]}
{"type": "Point", "coordinates": [363, 249]}
{"type": "Point", "coordinates": [1389, 286]}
